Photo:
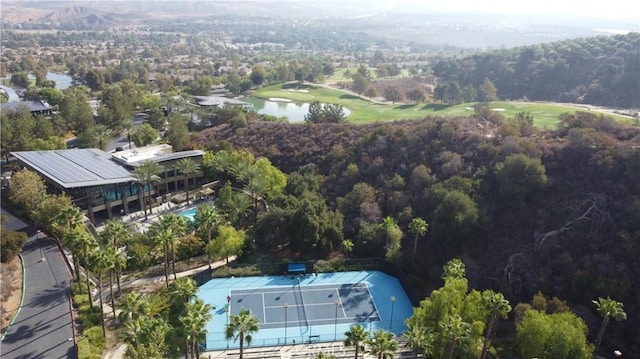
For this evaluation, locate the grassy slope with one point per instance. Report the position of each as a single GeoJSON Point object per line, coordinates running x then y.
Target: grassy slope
{"type": "Point", "coordinates": [364, 111]}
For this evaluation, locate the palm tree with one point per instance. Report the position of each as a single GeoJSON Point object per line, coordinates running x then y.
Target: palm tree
{"type": "Point", "coordinates": [81, 244]}
{"type": "Point", "coordinates": [169, 228]}
{"type": "Point", "coordinates": [356, 337]}
{"type": "Point", "coordinates": [207, 219]}
{"type": "Point", "coordinates": [419, 339]}
{"type": "Point", "coordinates": [455, 330]}
{"type": "Point", "coordinates": [100, 263]}
{"type": "Point", "coordinates": [238, 207]}
{"type": "Point", "coordinates": [418, 227]}
{"type": "Point", "coordinates": [242, 326]}
{"type": "Point", "coordinates": [194, 324]}
{"type": "Point", "coordinates": [179, 225]}
{"type": "Point", "coordinates": [133, 306]}
{"type": "Point", "coordinates": [103, 135]}
{"type": "Point", "coordinates": [387, 224]}
{"type": "Point", "coordinates": [498, 307]}
{"type": "Point", "coordinates": [114, 231]}
{"type": "Point", "coordinates": [183, 289]}
{"type": "Point", "coordinates": [146, 337]}
{"type": "Point", "coordinates": [147, 173]}
{"type": "Point", "coordinates": [111, 253]}
{"type": "Point", "coordinates": [382, 344]}
{"type": "Point", "coordinates": [119, 264]}
{"type": "Point", "coordinates": [608, 308]}
{"type": "Point", "coordinates": [187, 166]}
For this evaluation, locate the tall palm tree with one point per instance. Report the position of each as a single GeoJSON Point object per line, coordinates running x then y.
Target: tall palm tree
{"type": "Point", "coordinates": [356, 336]}
{"type": "Point", "coordinates": [100, 263]}
{"type": "Point", "coordinates": [497, 307]}
{"type": "Point", "coordinates": [419, 339]}
{"type": "Point", "coordinates": [194, 325]}
{"type": "Point", "coordinates": [207, 219]}
{"type": "Point", "coordinates": [242, 326]}
{"type": "Point", "coordinates": [132, 306]}
{"type": "Point", "coordinates": [115, 230]}
{"type": "Point", "coordinates": [111, 253]}
{"type": "Point", "coordinates": [103, 135]}
{"type": "Point", "coordinates": [183, 289]}
{"type": "Point", "coordinates": [165, 231]}
{"type": "Point", "coordinates": [237, 208]}
{"type": "Point", "coordinates": [608, 308]}
{"type": "Point", "coordinates": [147, 173]}
{"type": "Point", "coordinates": [382, 344]}
{"type": "Point", "coordinates": [162, 233]}
{"type": "Point", "coordinates": [187, 166]}
{"type": "Point", "coordinates": [179, 225]}
{"type": "Point", "coordinates": [255, 186]}
{"type": "Point", "coordinates": [119, 264]}
{"type": "Point", "coordinates": [455, 330]}
{"type": "Point", "coordinates": [418, 227]}
{"type": "Point", "coordinates": [69, 218]}
{"type": "Point", "coordinates": [81, 244]}
{"type": "Point", "coordinates": [387, 224]}
{"type": "Point", "coordinates": [146, 337]}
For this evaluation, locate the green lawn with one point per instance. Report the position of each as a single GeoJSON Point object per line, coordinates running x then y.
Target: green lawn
{"type": "Point", "coordinates": [364, 111]}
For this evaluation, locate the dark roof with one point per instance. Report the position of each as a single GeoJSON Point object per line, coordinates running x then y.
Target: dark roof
{"type": "Point", "coordinates": [75, 168]}
{"type": "Point", "coordinates": [33, 106]}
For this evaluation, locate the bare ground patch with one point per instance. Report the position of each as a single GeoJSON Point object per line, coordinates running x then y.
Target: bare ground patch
{"type": "Point", "coordinates": [10, 290]}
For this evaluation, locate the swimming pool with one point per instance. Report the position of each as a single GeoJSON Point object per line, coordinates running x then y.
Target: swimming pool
{"type": "Point", "coordinates": [190, 212]}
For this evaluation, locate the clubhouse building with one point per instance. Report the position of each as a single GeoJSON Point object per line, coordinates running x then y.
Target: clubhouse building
{"type": "Point", "coordinates": [102, 184]}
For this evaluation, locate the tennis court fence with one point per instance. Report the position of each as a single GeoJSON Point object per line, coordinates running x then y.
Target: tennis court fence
{"type": "Point", "coordinates": [320, 266]}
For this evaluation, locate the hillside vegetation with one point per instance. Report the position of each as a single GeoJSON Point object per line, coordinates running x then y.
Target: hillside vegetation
{"type": "Point", "coordinates": [555, 211]}
{"type": "Point", "coordinates": [602, 70]}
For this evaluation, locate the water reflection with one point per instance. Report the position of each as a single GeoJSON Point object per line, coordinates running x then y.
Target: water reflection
{"type": "Point", "coordinates": [294, 111]}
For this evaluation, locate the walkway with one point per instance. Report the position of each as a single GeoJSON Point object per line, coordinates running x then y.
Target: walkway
{"type": "Point", "coordinates": [119, 352]}
{"type": "Point", "coordinates": [43, 327]}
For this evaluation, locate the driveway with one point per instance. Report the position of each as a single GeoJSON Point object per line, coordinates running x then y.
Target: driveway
{"type": "Point", "coordinates": [43, 328]}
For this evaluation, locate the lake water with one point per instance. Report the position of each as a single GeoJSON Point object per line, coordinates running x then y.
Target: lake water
{"type": "Point", "coordinates": [294, 111]}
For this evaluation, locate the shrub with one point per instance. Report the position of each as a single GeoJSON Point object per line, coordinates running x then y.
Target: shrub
{"type": "Point", "coordinates": [11, 243]}
{"type": "Point", "coordinates": [91, 344]}
{"type": "Point", "coordinates": [190, 246]}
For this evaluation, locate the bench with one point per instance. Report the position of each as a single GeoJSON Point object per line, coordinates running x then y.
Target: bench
{"type": "Point", "coordinates": [314, 339]}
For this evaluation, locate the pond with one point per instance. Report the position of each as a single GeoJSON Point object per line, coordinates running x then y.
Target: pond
{"type": "Point", "coordinates": [62, 81]}
{"type": "Point", "coordinates": [294, 111]}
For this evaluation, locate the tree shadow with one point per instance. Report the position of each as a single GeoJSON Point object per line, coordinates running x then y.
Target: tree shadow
{"type": "Point", "coordinates": [349, 97]}
{"type": "Point", "coordinates": [436, 106]}
{"type": "Point", "coordinates": [404, 107]}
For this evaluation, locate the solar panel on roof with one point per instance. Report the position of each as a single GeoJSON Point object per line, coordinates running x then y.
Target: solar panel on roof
{"type": "Point", "coordinates": [96, 163]}
{"type": "Point", "coordinates": [75, 168]}
{"type": "Point", "coordinates": [57, 167]}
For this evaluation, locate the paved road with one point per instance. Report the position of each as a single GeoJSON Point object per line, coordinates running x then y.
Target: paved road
{"type": "Point", "coordinates": [43, 327]}
{"type": "Point", "coordinates": [11, 93]}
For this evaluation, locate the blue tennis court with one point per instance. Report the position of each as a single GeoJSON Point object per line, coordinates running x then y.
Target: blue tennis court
{"type": "Point", "coordinates": [309, 308]}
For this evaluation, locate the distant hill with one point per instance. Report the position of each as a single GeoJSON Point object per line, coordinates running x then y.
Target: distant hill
{"type": "Point", "coordinates": [383, 20]}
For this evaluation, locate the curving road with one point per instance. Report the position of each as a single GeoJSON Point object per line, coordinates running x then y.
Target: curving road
{"type": "Point", "coordinates": [43, 327]}
{"type": "Point", "coordinates": [11, 93]}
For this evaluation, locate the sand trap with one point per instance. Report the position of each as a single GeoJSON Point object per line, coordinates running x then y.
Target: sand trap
{"type": "Point", "coordinates": [498, 109]}
{"type": "Point", "coordinates": [296, 90]}
{"type": "Point", "coordinates": [279, 99]}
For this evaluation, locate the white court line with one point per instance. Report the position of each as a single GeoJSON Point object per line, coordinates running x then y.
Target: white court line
{"type": "Point", "coordinates": [344, 314]}
{"type": "Point", "coordinates": [264, 309]}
